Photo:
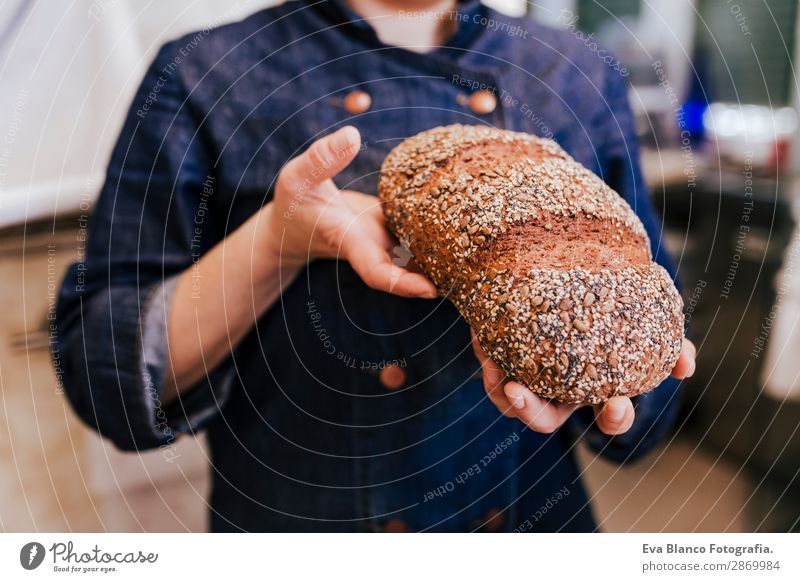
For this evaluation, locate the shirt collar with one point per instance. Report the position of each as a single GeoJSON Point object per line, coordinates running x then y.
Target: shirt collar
{"type": "Point", "coordinates": [467, 23]}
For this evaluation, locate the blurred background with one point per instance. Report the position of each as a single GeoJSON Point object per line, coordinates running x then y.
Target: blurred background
{"type": "Point", "coordinates": [716, 99]}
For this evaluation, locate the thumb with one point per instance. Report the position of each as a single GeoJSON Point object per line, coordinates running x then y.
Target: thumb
{"type": "Point", "coordinates": [325, 158]}
{"type": "Point", "coordinates": [616, 416]}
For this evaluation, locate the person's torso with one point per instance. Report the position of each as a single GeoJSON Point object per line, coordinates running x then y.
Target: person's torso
{"type": "Point", "coordinates": [353, 407]}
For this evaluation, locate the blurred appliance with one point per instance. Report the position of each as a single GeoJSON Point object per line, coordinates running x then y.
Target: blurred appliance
{"type": "Point", "coordinates": [754, 137]}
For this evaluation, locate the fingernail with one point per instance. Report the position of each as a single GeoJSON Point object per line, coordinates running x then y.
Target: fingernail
{"type": "Point", "coordinates": [692, 368]}
{"type": "Point", "coordinates": [344, 138]}
{"type": "Point", "coordinates": [517, 398]}
{"type": "Point", "coordinates": [616, 414]}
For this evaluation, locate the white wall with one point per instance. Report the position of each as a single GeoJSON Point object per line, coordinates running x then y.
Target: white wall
{"type": "Point", "coordinates": [66, 79]}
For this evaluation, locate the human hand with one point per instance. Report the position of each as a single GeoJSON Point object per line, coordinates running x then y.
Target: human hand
{"type": "Point", "coordinates": [310, 218]}
{"type": "Point", "coordinates": [512, 399]}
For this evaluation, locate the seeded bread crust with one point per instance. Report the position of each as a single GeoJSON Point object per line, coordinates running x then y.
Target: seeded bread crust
{"type": "Point", "coordinates": [549, 266]}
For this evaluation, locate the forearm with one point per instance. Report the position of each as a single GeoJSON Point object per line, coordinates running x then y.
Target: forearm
{"type": "Point", "coordinates": [218, 300]}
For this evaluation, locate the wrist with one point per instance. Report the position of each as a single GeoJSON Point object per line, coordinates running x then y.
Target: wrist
{"type": "Point", "coordinates": [270, 236]}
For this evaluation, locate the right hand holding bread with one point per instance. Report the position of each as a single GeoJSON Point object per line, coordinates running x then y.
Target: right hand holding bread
{"type": "Point", "coordinates": [311, 218]}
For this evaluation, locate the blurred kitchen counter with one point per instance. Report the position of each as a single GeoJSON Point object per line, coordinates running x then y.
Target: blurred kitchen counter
{"type": "Point", "coordinates": [663, 167]}
{"type": "Point", "coordinates": [55, 473]}
{"type": "Point", "coordinates": [727, 233]}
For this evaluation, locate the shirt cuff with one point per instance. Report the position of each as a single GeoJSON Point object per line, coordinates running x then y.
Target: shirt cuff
{"type": "Point", "coordinates": [193, 408]}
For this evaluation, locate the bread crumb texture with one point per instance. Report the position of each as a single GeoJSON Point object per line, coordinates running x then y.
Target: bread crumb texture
{"type": "Point", "coordinates": [549, 266]}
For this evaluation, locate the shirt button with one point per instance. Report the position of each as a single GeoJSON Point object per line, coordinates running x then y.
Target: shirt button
{"type": "Point", "coordinates": [392, 377]}
{"type": "Point", "coordinates": [482, 102]}
{"type": "Point", "coordinates": [357, 102]}
{"type": "Point", "coordinates": [395, 526]}
{"type": "Point", "coordinates": [494, 520]}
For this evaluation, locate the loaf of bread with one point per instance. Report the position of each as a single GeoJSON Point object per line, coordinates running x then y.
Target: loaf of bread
{"type": "Point", "coordinates": [549, 266]}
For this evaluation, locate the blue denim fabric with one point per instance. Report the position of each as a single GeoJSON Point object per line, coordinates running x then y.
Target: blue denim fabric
{"type": "Point", "coordinates": [303, 435]}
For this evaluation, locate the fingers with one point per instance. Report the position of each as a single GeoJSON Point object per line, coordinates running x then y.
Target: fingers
{"type": "Point", "coordinates": [493, 379]}
{"type": "Point", "coordinates": [685, 365]}
{"type": "Point", "coordinates": [375, 267]}
{"type": "Point", "coordinates": [615, 416]}
{"type": "Point", "coordinates": [539, 414]}
{"type": "Point", "coordinates": [364, 243]}
{"type": "Point", "coordinates": [515, 400]}
{"type": "Point", "coordinates": [476, 348]}
{"type": "Point", "coordinates": [325, 158]}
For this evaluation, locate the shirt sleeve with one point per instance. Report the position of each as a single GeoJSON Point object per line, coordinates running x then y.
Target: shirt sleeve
{"type": "Point", "coordinates": [656, 410]}
{"type": "Point", "coordinates": [151, 222]}
{"type": "Point", "coordinates": [194, 407]}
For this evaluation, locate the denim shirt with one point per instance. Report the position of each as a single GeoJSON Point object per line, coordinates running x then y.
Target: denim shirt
{"type": "Point", "coordinates": [303, 434]}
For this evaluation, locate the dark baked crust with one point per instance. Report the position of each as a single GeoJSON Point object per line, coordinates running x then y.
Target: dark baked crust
{"type": "Point", "coordinates": [548, 265]}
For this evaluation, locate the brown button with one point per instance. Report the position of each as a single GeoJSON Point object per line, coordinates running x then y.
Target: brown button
{"type": "Point", "coordinates": [392, 377]}
{"type": "Point", "coordinates": [493, 520]}
{"type": "Point", "coordinates": [395, 526]}
{"type": "Point", "coordinates": [482, 102]}
{"type": "Point", "coordinates": [357, 102]}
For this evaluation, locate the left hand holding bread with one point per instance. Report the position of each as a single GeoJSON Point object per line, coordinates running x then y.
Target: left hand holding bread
{"type": "Point", "coordinates": [512, 399]}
